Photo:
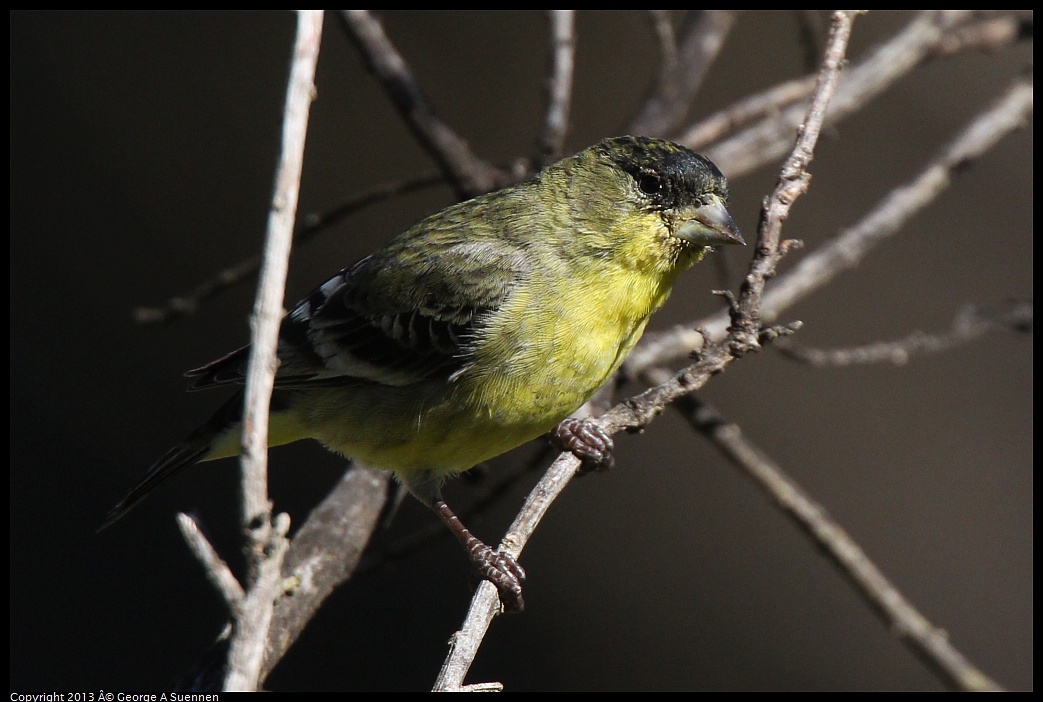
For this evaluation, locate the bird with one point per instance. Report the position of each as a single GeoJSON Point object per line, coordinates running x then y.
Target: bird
{"type": "Point", "coordinates": [481, 327]}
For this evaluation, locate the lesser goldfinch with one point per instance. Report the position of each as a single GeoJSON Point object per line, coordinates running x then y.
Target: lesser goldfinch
{"type": "Point", "coordinates": [481, 327]}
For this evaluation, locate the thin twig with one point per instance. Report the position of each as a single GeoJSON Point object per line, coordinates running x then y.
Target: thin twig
{"type": "Point", "coordinates": [767, 141]}
{"type": "Point", "coordinates": [188, 304]}
{"type": "Point", "coordinates": [703, 35]}
{"type": "Point", "coordinates": [987, 35]}
{"type": "Point", "coordinates": [970, 324]}
{"type": "Point", "coordinates": [559, 84]}
{"type": "Point", "coordinates": [468, 174]}
{"type": "Point", "coordinates": [215, 567]}
{"type": "Point", "coordinates": [758, 106]}
{"type": "Point", "coordinates": [666, 40]}
{"type": "Point", "coordinates": [929, 642]}
{"type": "Point", "coordinates": [638, 411]}
{"type": "Point", "coordinates": [793, 183]}
{"type": "Point", "coordinates": [265, 536]}
{"type": "Point", "coordinates": [845, 251]}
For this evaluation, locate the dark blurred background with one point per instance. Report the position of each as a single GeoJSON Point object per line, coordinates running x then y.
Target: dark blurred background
{"type": "Point", "coordinates": [142, 156]}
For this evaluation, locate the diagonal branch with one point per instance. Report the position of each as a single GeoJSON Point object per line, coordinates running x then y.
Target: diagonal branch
{"type": "Point", "coordinates": [188, 304]}
{"type": "Point", "coordinates": [793, 183]}
{"type": "Point", "coordinates": [759, 106]}
{"type": "Point", "coordinates": [769, 140]}
{"type": "Point", "coordinates": [324, 553]}
{"type": "Point", "coordinates": [987, 35]}
{"type": "Point", "coordinates": [666, 40]}
{"type": "Point", "coordinates": [469, 174]}
{"type": "Point", "coordinates": [929, 642]}
{"type": "Point", "coordinates": [631, 414]}
{"type": "Point", "coordinates": [704, 32]}
{"type": "Point", "coordinates": [215, 567]}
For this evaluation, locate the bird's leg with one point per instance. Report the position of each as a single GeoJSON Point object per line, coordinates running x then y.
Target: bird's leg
{"type": "Point", "coordinates": [497, 567]}
{"type": "Point", "coordinates": [587, 441]}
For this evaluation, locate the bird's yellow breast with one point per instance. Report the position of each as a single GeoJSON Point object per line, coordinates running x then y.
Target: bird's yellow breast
{"type": "Point", "coordinates": [536, 369]}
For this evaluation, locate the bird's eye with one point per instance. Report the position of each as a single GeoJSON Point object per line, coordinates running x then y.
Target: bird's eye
{"type": "Point", "coordinates": [650, 183]}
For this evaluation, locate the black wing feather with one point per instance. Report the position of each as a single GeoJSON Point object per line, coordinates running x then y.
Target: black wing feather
{"type": "Point", "coordinates": [364, 325]}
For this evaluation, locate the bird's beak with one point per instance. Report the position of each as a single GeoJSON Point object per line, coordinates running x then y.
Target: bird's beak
{"type": "Point", "coordinates": [709, 225]}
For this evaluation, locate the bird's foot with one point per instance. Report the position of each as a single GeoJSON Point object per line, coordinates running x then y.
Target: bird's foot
{"type": "Point", "coordinates": [503, 571]}
{"type": "Point", "coordinates": [587, 441]}
{"type": "Point", "coordinates": [498, 567]}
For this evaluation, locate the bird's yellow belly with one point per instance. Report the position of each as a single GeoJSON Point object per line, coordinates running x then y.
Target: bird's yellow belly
{"type": "Point", "coordinates": [448, 432]}
{"type": "Point", "coordinates": [486, 411]}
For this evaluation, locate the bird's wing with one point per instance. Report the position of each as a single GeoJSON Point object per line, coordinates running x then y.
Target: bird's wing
{"type": "Point", "coordinates": [392, 318]}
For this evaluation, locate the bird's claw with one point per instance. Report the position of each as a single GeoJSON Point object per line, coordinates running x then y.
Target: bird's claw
{"type": "Point", "coordinates": [503, 571]}
{"type": "Point", "coordinates": [587, 441]}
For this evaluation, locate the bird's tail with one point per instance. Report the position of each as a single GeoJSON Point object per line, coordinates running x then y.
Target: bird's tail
{"type": "Point", "coordinates": [201, 445]}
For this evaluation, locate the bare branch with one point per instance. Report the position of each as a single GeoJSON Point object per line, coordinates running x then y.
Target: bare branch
{"type": "Point", "coordinates": [266, 538]}
{"type": "Point", "coordinates": [929, 642]}
{"type": "Point", "coordinates": [793, 182]}
{"type": "Point", "coordinates": [970, 324]}
{"type": "Point", "coordinates": [216, 569]}
{"type": "Point", "coordinates": [559, 84]}
{"type": "Point", "coordinates": [485, 604]}
{"type": "Point", "coordinates": [704, 32]}
{"type": "Point", "coordinates": [989, 34]}
{"type": "Point", "coordinates": [188, 304]}
{"type": "Point", "coordinates": [469, 174]}
{"type": "Point", "coordinates": [762, 105]}
{"type": "Point", "coordinates": [252, 620]}
{"type": "Point", "coordinates": [849, 247]}
{"type": "Point", "coordinates": [324, 553]}
{"type": "Point", "coordinates": [666, 39]}
{"type": "Point", "coordinates": [769, 140]}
